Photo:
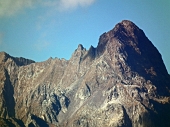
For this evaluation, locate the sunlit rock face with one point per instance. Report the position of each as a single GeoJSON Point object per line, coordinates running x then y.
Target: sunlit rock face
{"type": "Point", "coordinates": [122, 82]}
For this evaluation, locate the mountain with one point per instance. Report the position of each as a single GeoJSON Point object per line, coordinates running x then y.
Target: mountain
{"type": "Point", "coordinates": [123, 82]}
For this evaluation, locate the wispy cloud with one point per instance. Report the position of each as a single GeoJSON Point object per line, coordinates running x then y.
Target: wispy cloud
{"type": "Point", "coordinates": [72, 4]}
{"type": "Point", "coordinates": [12, 7]}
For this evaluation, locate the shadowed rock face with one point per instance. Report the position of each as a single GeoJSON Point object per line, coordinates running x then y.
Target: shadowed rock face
{"type": "Point", "coordinates": [122, 82]}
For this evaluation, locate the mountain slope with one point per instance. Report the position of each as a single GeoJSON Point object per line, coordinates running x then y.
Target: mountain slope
{"type": "Point", "coordinates": [122, 82]}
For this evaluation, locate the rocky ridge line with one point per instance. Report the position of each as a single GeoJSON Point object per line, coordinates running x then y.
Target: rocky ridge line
{"type": "Point", "coordinates": [122, 82]}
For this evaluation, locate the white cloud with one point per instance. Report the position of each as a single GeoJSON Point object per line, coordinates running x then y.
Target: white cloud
{"type": "Point", "coordinates": [12, 7]}
{"type": "Point", "coordinates": [72, 4]}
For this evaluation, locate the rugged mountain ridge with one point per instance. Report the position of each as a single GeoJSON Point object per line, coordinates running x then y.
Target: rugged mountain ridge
{"type": "Point", "coordinates": [122, 82]}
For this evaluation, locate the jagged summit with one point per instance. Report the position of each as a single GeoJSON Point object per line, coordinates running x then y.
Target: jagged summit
{"type": "Point", "coordinates": [126, 28]}
{"type": "Point", "coordinates": [131, 51]}
{"type": "Point", "coordinates": [126, 32]}
{"type": "Point", "coordinates": [126, 25]}
{"type": "Point", "coordinates": [128, 45]}
{"type": "Point", "coordinates": [129, 40]}
{"type": "Point", "coordinates": [122, 82]}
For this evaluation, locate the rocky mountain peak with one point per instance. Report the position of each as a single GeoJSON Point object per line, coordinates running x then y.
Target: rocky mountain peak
{"type": "Point", "coordinates": [126, 32]}
{"type": "Point", "coordinates": [80, 47]}
{"type": "Point", "coordinates": [129, 47]}
{"type": "Point", "coordinates": [127, 25]}
{"type": "Point", "coordinates": [122, 82]}
{"type": "Point", "coordinates": [126, 28]}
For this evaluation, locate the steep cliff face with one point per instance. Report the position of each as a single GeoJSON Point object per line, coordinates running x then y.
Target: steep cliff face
{"type": "Point", "coordinates": [122, 82]}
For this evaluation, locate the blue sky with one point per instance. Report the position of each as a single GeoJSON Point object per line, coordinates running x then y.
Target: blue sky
{"type": "Point", "coordinates": [39, 29]}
